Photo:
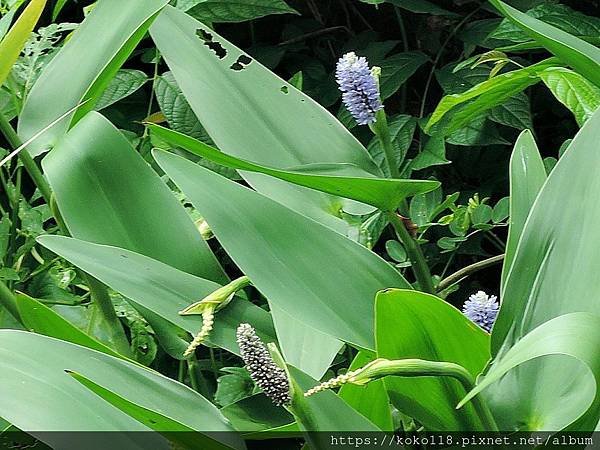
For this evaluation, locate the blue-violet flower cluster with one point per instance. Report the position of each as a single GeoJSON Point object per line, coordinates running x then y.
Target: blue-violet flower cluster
{"type": "Point", "coordinates": [360, 92]}
{"type": "Point", "coordinates": [482, 309]}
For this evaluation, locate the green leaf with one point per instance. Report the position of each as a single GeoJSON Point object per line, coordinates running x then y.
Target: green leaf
{"type": "Point", "coordinates": [577, 53]}
{"type": "Point", "coordinates": [82, 170]}
{"type": "Point", "coordinates": [417, 325]}
{"type": "Point", "coordinates": [572, 339]}
{"type": "Point", "coordinates": [255, 414]}
{"type": "Point", "coordinates": [513, 112]}
{"type": "Point", "coordinates": [397, 69]}
{"type": "Point", "coordinates": [479, 131]}
{"type": "Point", "coordinates": [162, 289]}
{"type": "Point", "coordinates": [539, 287]}
{"type": "Point", "coordinates": [173, 430]}
{"type": "Point", "coordinates": [122, 25]}
{"type": "Point", "coordinates": [301, 264]}
{"type": "Point", "coordinates": [125, 83]}
{"type": "Point", "coordinates": [433, 154]}
{"type": "Point", "coordinates": [181, 118]}
{"type": "Point", "coordinates": [464, 107]}
{"type": "Point", "coordinates": [40, 319]}
{"type": "Point", "coordinates": [15, 39]}
{"type": "Point", "coordinates": [527, 176]}
{"type": "Point", "coordinates": [384, 193]}
{"type": "Point", "coordinates": [176, 109]}
{"type": "Point", "coordinates": [302, 345]}
{"type": "Point", "coordinates": [40, 395]}
{"type": "Point", "coordinates": [235, 385]}
{"type": "Point", "coordinates": [253, 114]}
{"type": "Point", "coordinates": [574, 91]}
{"type": "Point", "coordinates": [560, 16]}
{"type": "Point", "coordinates": [237, 10]}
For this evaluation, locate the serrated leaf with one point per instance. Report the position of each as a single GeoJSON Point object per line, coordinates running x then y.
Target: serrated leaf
{"type": "Point", "coordinates": [574, 91]}
{"type": "Point", "coordinates": [125, 83]}
{"type": "Point", "coordinates": [237, 10]}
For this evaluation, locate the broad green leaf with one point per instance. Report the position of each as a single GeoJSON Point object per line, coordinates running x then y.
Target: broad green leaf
{"type": "Point", "coordinates": [384, 193]}
{"type": "Point", "coordinates": [397, 69]}
{"type": "Point", "coordinates": [527, 176]}
{"type": "Point", "coordinates": [40, 396]}
{"type": "Point", "coordinates": [40, 319]}
{"type": "Point", "coordinates": [302, 345]}
{"type": "Point", "coordinates": [457, 110]}
{"type": "Point", "coordinates": [313, 273]}
{"type": "Point", "coordinates": [85, 64]}
{"type": "Point", "coordinates": [82, 170]}
{"type": "Point", "coordinates": [124, 83]}
{"type": "Point", "coordinates": [540, 285]}
{"type": "Point", "coordinates": [413, 324]}
{"type": "Point", "coordinates": [237, 10]}
{"type": "Point", "coordinates": [173, 430]}
{"type": "Point", "coordinates": [577, 53]}
{"type": "Point", "coordinates": [255, 414]}
{"type": "Point", "coordinates": [372, 400]}
{"type": "Point", "coordinates": [162, 289]}
{"type": "Point", "coordinates": [14, 41]}
{"type": "Point", "coordinates": [574, 91]}
{"type": "Point", "coordinates": [251, 113]}
{"type": "Point", "coordinates": [181, 118]}
{"type": "Point", "coordinates": [573, 341]}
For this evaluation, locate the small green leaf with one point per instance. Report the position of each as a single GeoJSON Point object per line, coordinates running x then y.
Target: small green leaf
{"type": "Point", "coordinates": [237, 10]}
{"type": "Point", "coordinates": [574, 91]}
{"type": "Point", "coordinates": [125, 83]}
{"type": "Point", "coordinates": [397, 69]}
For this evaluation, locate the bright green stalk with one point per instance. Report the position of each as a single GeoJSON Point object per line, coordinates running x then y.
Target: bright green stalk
{"type": "Point", "coordinates": [415, 254]}
{"type": "Point", "coordinates": [8, 300]}
{"type": "Point", "coordinates": [30, 165]}
{"type": "Point", "coordinates": [382, 131]}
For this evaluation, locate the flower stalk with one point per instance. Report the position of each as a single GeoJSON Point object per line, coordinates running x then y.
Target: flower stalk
{"type": "Point", "coordinates": [415, 254]}
{"type": "Point", "coordinates": [381, 368]}
{"type": "Point", "coordinates": [208, 306]}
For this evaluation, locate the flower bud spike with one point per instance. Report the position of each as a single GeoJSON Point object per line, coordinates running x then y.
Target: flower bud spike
{"type": "Point", "coordinates": [208, 319]}
{"type": "Point", "coordinates": [348, 377]}
{"type": "Point", "coordinates": [262, 368]}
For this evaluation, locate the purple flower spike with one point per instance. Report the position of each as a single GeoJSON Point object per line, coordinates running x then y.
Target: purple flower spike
{"type": "Point", "coordinates": [360, 92]}
{"type": "Point", "coordinates": [482, 309]}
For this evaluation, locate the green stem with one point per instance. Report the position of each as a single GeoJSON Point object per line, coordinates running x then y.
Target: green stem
{"type": "Point", "coordinates": [418, 368]}
{"type": "Point", "coordinates": [30, 165]}
{"type": "Point", "coordinates": [468, 270]}
{"type": "Point", "coordinates": [382, 131]}
{"type": "Point", "coordinates": [8, 300]}
{"type": "Point", "coordinates": [415, 254]}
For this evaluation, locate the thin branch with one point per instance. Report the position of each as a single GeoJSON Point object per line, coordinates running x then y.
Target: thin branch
{"type": "Point", "coordinates": [469, 270]}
